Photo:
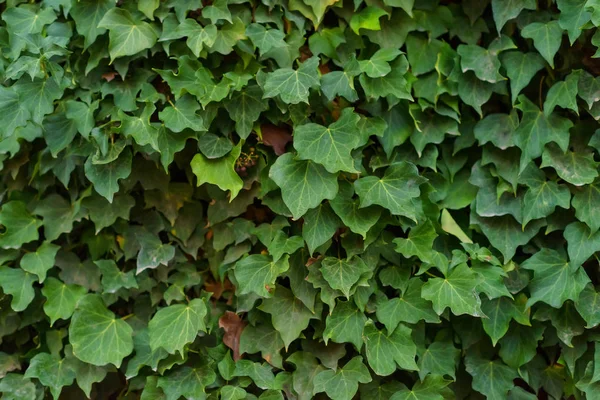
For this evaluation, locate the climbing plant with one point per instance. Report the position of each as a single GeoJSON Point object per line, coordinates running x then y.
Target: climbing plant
{"type": "Point", "coordinates": [233, 199]}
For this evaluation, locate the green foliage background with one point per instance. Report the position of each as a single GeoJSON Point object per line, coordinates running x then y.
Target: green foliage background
{"type": "Point", "coordinates": [374, 199]}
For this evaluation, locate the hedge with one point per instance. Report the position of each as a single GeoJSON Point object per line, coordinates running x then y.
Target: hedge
{"type": "Point", "coordinates": [242, 199]}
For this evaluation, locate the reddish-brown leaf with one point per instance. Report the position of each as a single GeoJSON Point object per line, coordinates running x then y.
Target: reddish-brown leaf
{"type": "Point", "coordinates": [233, 326]}
{"type": "Point", "coordinates": [276, 136]}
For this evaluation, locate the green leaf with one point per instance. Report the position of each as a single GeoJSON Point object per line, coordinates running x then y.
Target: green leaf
{"type": "Point", "coordinates": [484, 62]}
{"type": "Point", "coordinates": [245, 108]}
{"type": "Point", "coordinates": [563, 94]}
{"type": "Point", "coordinates": [304, 184]}
{"type": "Point", "coordinates": [14, 115]}
{"type": "Point", "coordinates": [283, 307]}
{"type": "Point", "coordinates": [500, 312]}
{"type": "Point", "coordinates": [409, 307]}
{"type": "Point", "coordinates": [219, 171]}
{"type": "Point", "coordinates": [358, 219]}
{"type": "Point", "coordinates": [257, 273]}
{"type": "Point", "coordinates": [506, 234]}
{"type": "Point", "coordinates": [331, 146]}
{"type": "Point", "coordinates": [432, 387]}
{"type": "Point", "coordinates": [320, 224]}
{"type": "Point", "coordinates": [293, 86]}
{"type": "Point", "coordinates": [186, 381]}
{"type": "Point", "coordinates": [520, 69]}
{"type": "Point", "coordinates": [128, 33]}
{"type": "Point", "coordinates": [198, 37]}
{"type": "Point", "coordinates": [582, 243]}
{"type": "Point", "coordinates": [419, 243]}
{"type": "Point", "coordinates": [491, 378]}
{"type": "Point", "coordinates": [507, 10]}
{"type": "Point", "coordinates": [343, 274]}
{"type": "Point", "coordinates": [519, 345]}
{"type": "Point", "coordinates": [345, 324]}
{"type": "Point", "coordinates": [440, 358]}
{"type": "Point", "coordinates": [265, 39]}
{"type": "Point", "coordinates": [588, 305]}
{"type": "Point", "coordinates": [213, 146]}
{"type": "Point", "coordinates": [173, 327]}
{"type": "Point", "coordinates": [455, 291]}
{"type": "Point", "coordinates": [555, 280]}
{"type": "Point", "coordinates": [378, 65]}
{"type": "Point", "coordinates": [536, 130]}
{"type": "Point", "coordinates": [17, 387]}
{"type": "Point", "coordinates": [113, 278]}
{"type": "Point", "coordinates": [61, 299]}
{"type": "Point", "coordinates": [546, 38]}
{"type": "Point", "coordinates": [342, 384]}
{"type": "Point", "coordinates": [51, 371]}
{"type": "Point", "coordinates": [40, 261]}
{"type": "Point", "coordinates": [105, 177]}
{"type": "Point", "coordinates": [20, 226]}
{"type": "Point", "coordinates": [577, 168]}
{"type": "Point", "coordinates": [105, 214]}
{"type": "Point", "coordinates": [87, 15]}
{"type": "Point", "coordinates": [367, 18]}
{"type": "Point", "coordinates": [385, 353]}
{"type": "Point", "coordinates": [98, 338]}
{"type": "Point", "coordinates": [394, 191]}
{"type": "Point", "coordinates": [182, 115]}
{"type": "Point", "coordinates": [18, 284]}
{"type": "Point", "coordinates": [573, 17]}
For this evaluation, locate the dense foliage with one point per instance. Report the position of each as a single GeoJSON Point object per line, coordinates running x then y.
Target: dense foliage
{"type": "Point", "coordinates": [383, 199]}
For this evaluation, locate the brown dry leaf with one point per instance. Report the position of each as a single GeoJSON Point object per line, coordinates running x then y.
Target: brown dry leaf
{"type": "Point", "coordinates": [276, 136]}
{"type": "Point", "coordinates": [109, 76]}
{"type": "Point", "coordinates": [233, 326]}
{"type": "Point", "coordinates": [217, 288]}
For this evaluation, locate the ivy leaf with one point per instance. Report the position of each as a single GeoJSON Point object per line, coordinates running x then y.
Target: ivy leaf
{"type": "Point", "coordinates": [61, 299]}
{"type": "Point", "coordinates": [198, 37]}
{"type": "Point", "coordinates": [17, 387]}
{"type": "Point", "coordinates": [506, 234]}
{"type": "Point", "coordinates": [173, 327]}
{"type": "Point", "coordinates": [87, 15]}
{"type": "Point", "coordinates": [409, 307]}
{"type": "Point", "coordinates": [182, 115]}
{"type": "Point", "coordinates": [500, 312]}
{"type": "Point", "coordinates": [520, 69]}
{"type": "Point", "coordinates": [40, 261]}
{"type": "Point", "coordinates": [419, 242]}
{"type": "Point", "coordinates": [563, 94]}
{"type": "Point", "coordinates": [320, 224]}
{"type": "Point", "coordinates": [283, 306]}
{"type": "Point", "coordinates": [104, 214]}
{"type": "Point", "coordinates": [543, 196]}
{"type": "Point", "coordinates": [257, 273]}
{"type": "Point", "coordinates": [342, 274]}
{"type": "Point", "coordinates": [20, 226]}
{"type": "Point", "coordinates": [577, 168]}
{"type": "Point", "coordinates": [245, 108]}
{"type": "Point", "coordinates": [265, 39]}
{"type": "Point", "coordinates": [546, 38]}
{"type": "Point", "coordinates": [219, 171]}
{"type": "Point", "coordinates": [484, 62]}
{"type": "Point", "coordinates": [518, 346]}
{"type": "Point", "coordinates": [105, 177]}
{"type": "Point", "coordinates": [384, 352]}
{"type": "Point", "coordinates": [343, 383]}
{"type": "Point", "coordinates": [378, 65]}
{"type": "Point", "coordinates": [98, 338]}
{"type": "Point", "coordinates": [536, 130]}
{"type": "Point", "coordinates": [505, 11]}
{"type": "Point", "coordinates": [186, 381]}
{"type": "Point", "coordinates": [573, 16]}
{"type": "Point", "coordinates": [128, 33]}
{"type": "Point", "coordinates": [23, 20]}
{"type": "Point", "coordinates": [582, 243]}
{"type": "Point", "coordinates": [359, 220]}
{"type": "Point", "coordinates": [588, 88]}
{"type": "Point", "coordinates": [584, 202]}
{"type": "Point", "coordinates": [304, 184]}
{"type": "Point", "coordinates": [51, 371]}
{"type": "Point", "coordinates": [345, 324]}
{"type": "Point", "coordinates": [18, 284]}
{"type": "Point", "coordinates": [14, 115]}
{"type": "Point", "coordinates": [394, 191]}
{"type": "Point", "coordinates": [440, 358]}
{"type": "Point", "coordinates": [293, 86]}
{"type": "Point", "coordinates": [113, 278]}
{"type": "Point", "coordinates": [455, 291]}
{"type": "Point", "coordinates": [432, 387]}
{"type": "Point", "coordinates": [587, 305]}
{"type": "Point", "coordinates": [492, 378]}
{"type": "Point", "coordinates": [213, 146]}
{"type": "Point", "coordinates": [331, 146]}
{"type": "Point", "coordinates": [367, 18]}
